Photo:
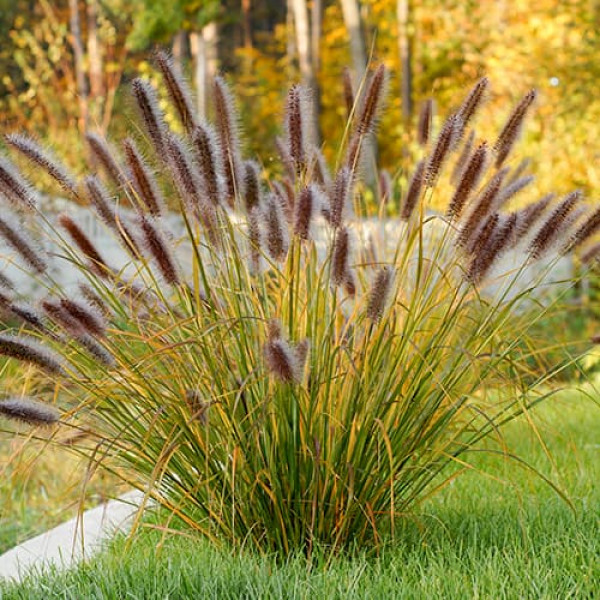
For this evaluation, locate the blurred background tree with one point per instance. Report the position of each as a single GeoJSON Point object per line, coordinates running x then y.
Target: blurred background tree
{"type": "Point", "coordinates": [65, 65]}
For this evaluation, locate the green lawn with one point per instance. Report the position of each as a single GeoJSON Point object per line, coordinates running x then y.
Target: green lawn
{"type": "Point", "coordinates": [505, 534]}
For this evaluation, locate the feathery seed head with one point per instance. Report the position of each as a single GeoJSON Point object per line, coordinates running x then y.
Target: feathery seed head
{"type": "Point", "coordinates": [43, 158]}
{"type": "Point", "coordinates": [591, 255]}
{"type": "Point", "coordinates": [281, 360]}
{"type": "Point", "coordinates": [145, 185]}
{"type": "Point", "coordinates": [348, 88]}
{"type": "Point", "coordinates": [301, 350]}
{"type": "Point", "coordinates": [379, 293]}
{"type": "Point", "coordinates": [350, 283]}
{"type": "Point", "coordinates": [519, 170]}
{"type": "Point", "coordinates": [208, 157]}
{"type": "Point", "coordinates": [83, 242]}
{"type": "Point", "coordinates": [30, 411]}
{"type": "Point", "coordinates": [413, 194]}
{"type": "Point", "coordinates": [15, 188]}
{"type": "Point", "coordinates": [28, 349]}
{"type": "Point", "coordinates": [512, 189]}
{"type": "Point", "coordinates": [181, 166]}
{"type": "Point", "coordinates": [320, 171]}
{"type": "Point", "coordinates": [554, 226]}
{"type": "Point", "coordinates": [86, 315]}
{"type": "Point", "coordinates": [100, 200]}
{"type": "Point", "coordinates": [497, 242]}
{"type": "Point", "coordinates": [372, 101]}
{"type": "Point", "coordinates": [473, 101]}
{"type": "Point", "coordinates": [276, 229]}
{"type": "Point", "coordinates": [340, 197]}
{"type": "Point", "coordinates": [177, 89]}
{"type": "Point", "coordinates": [255, 239]}
{"type": "Point", "coordinates": [483, 205]}
{"type": "Point", "coordinates": [296, 126]}
{"type": "Point", "coordinates": [304, 210]}
{"type": "Point", "coordinates": [273, 329]}
{"type": "Point", "coordinates": [94, 300]}
{"type": "Point", "coordinates": [529, 215]}
{"type": "Point", "coordinates": [444, 144]}
{"type": "Point", "coordinates": [339, 256]}
{"type": "Point", "coordinates": [385, 186]}
{"type": "Point", "coordinates": [16, 236]}
{"type": "Point", "coordinates": [152, 116]}
{"type": "Point", "coordinates": [469, 180]}
{"type": "Point", "coordinates": [252, 191]}
{"type": "Point", "coordinates": [107, 157]}
{"type": "Point", "coordinates": [158, 248]}
{"type": "Point", "coordinates": [588, 228]}
{"type": "Point", "coordinates": [511, 130]}
{"type": "Point", "coordinates": [425, 120]}
{"type": "Point", "coordinates": [463, 159]}
{"type": "Point", "coordinates": [228, 132]}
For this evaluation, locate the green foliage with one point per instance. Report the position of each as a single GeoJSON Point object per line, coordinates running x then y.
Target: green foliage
{"type": "Point", "coordinates": [285, 397]}
{"type": "Point", "coordinates": [159, 21]}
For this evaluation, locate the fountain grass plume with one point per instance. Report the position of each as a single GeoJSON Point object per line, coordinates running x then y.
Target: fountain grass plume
{"type": "Point", "coordinates": [84, 244]}
{"type": "Point", "coordinates": [469, 180]}
{"type": "Point", "coordinates": [106, 156]}
{"type": "Point", "coordinates": [29, 411]}
{"type": "Point", "coordinates": [425, 120]}
{"type": "Point", "coordinates": [178, 90]}
{"type": "Point", "coordinates": [276, 231]}
{"type": "Point", "coordinates": [340, 197]}
{"type": "Point", "coordinates": [29, 350]}
{"type": "Point", "coordinates": [145, 186]}
{"type": "Point", "coordinates": [511, 130]}
{"type": "Point", "coordinates": [340, 256]}
{"type": "Point", "coordinates": [413, 194]}
{"type": "Point", "coordinates": [29, 148]}
{"type": "Point", "coordinates": [554, 225]}
{"type": "Point", "coordinates": [348, 88]}
{"type": "Point", "coordinates": [252, 189]}
{"type": "Point", "coordinates": [229, 140]}
{"type": "Point", "coordinates": [482, 207]}
{"type": "Point", "coordinates": [157, 247]}
{"type": "Point", "coordinates": [15, 187]}
{"type": "Point", "coordinates": [296, 126]}
{"type": "Point", "coordinates": [152, 116]}
{"type": "Point", "coordinates": [472, 102]}
{"type": "Point", "coordinates": [205, 147]}
{"type": "Point", "coordinates": [445, 143]}
{"type": "Point", "coordinates": [512, 188]}
{"type": "Point", "coordinates": [17, 238]}
{"type": "Point", "coordinates": [463, 158]}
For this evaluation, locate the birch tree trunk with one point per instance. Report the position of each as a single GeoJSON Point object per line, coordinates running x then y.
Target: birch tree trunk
{"type": "Point", "coordinates": [403, 10]}
{"type": "Point", "coordinates": [95, 62]}
{"type": "Point", "coordinates": [178, 49]}
{"type": "Point", "coordinates": [305, 60]}
{"type": "Point", "coordinates": [80, 79]}
{"type": "Point", "coordinates": [352, 21]}
{"type": "Point", "coordinates": [203, 46]}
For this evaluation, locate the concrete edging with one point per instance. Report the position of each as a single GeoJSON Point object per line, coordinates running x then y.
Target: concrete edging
{"type": "Point", "coordinates": [77, 539]}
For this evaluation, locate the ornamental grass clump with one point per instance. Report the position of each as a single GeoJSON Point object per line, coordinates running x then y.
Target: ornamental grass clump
{"type": "Point", "coordinates": [248, 368]}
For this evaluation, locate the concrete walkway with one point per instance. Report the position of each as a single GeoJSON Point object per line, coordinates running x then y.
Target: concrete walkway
{"type": "Point", "coordinates": [67, 544]}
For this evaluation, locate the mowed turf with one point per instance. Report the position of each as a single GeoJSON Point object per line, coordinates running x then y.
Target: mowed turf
{"type": "Point", "coordinates": [498, 531]}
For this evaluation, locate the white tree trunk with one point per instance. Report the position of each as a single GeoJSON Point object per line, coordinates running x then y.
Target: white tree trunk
{"type": "Point", "coordinates": [404, 49]}
{"type": "Point", "coordinates": [80, 79]}
{"type": "Point", "coordinates": [305, 60]}
{"type": "Point", "coordinates": [203, 46]}
{"type": "Point", "coordinates": [352, 21]}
